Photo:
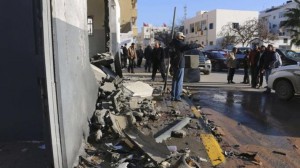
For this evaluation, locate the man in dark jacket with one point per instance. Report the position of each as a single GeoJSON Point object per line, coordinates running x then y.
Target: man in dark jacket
{"type": "Point", "coordinates": [125, 55]}
{"type": "Point", "coordinates": [140, 56]}
{"type": "Point", "coordinates": [178, 63]}
{"type": "Point", "coordinates": [253, 59]}
{"type": "Point", "coordinates": [158, 57]}
{"type": "Point", "coordinates": [148, 57]}
{"type": "Point", "coordinates": [267, 62]}
{"type": "Point", "coordinates": [260, 75]}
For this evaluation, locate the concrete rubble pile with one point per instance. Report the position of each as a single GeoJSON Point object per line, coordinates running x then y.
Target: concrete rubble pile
{"type": "Point", "coordinates": [115, 138]}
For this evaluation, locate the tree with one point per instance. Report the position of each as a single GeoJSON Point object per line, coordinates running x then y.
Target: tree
{"type": "Point", "coordinates": [245, 33]}
{"type": "Point", "coordinates": [227, 40]}
{"type": "Point", "coordinates": [292, 24]}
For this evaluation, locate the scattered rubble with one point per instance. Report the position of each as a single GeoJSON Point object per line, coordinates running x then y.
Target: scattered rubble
{"type": "Point", "coordinates": [123, 108]}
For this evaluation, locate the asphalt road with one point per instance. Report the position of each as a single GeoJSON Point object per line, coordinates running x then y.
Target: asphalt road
{"type": "Point", "coordinates": [253, 121]}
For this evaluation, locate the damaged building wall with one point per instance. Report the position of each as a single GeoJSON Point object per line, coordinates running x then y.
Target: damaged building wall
{"type": "Point", "coordinates": [75, 81]}
{"type": "Point", "coordinates": [96, 10]}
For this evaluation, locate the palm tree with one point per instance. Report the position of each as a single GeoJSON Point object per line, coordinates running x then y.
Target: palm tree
{"type": "Point", "coordinates": [293, 23]}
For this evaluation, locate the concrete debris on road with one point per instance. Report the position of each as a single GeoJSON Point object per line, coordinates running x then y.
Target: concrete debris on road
{"type": "Point", "coordinates": [123, 110]}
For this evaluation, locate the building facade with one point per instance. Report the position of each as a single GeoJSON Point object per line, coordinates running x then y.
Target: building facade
{"type": "Point", "coordinates": [129, 29]}
{"type": "Point", "coordinates": [147, 35]}
{"type": "Point", "coordinates": [205, 27]}
{"type": "Point", "coordinates": [274, 17]}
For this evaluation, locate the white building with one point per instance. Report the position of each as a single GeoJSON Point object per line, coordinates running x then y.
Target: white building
{"type": "Point", "coordinates": [147, 34]}
{"type": "Point", "coordinates": [274, 18]}
{"type": "Point", "coordinates": [205, 27]}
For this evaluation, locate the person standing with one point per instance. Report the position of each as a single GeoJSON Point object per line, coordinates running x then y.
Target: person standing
{"type": "Point", "coordinates": [246, 68]}
{"type": "Point", "coordinates": [268, 61]}
{"type": "Point", "coordinates": [231, 65]}
{"type": "Point", "coordinates": [125, 55]}
{"type": "Point", "coordinates": [148, 57]}
{"type": "Point", "coordinates": [178, 63]}
{"type": "Point", "coordinates": [253, 58]}
{"type": "Point", "coordinates": [260, 74]}
{"type": "Point", "coordinates": [140, 56]}
{"type": "Point", "coordinates": [158, 58]}
{"type": "Point", "coordinates": [131, 57]}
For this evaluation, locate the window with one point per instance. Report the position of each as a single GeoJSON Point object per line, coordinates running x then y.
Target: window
{"type": "Point", "coordinates": [285, 40]}
{"type": "Point", "coordinates": [211, 43]}
{"type": "Point", "coordinates": [90, 25]}
{"type": "Point", "coordinates": [274, 26]}
{"type": "Point", "coordinates": [274, 17]}
{"type": "Point", "coordinates": [281, 14]}
{"type": "Point", "coordinates": [192, 28]}
{"type": "Point", "coordinates": [235, 25]}
{"type": "Point", "coordinates": [186, 31]}
{"type": "Point", "coordinates": [203, 25]}
{"type": "Point", "coordinates": [198, 26]}
{"type": "Point", "coordinates": [211, 26]}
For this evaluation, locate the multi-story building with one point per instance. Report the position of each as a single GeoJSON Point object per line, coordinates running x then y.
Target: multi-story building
{"type": "Point", "coordinates": [205, 27]}
{"type": "Point", "coordinates": [129, 30]}
{"type": "Point", "coordinates": [274, 17]}
{"type": "Point", "coordinates": [147, 35]}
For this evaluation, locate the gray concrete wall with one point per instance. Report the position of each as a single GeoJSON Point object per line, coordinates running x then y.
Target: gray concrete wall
{"type": "Point", "coordinates": [97, 40]}
{"type": "Point", "coordinates": [21, 68]}
{"type": "Point", "coordinates": [76, 84]}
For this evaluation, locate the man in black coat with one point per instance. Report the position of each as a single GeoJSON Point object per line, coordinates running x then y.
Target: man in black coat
{"type": "Point", "coordinates": [158, 58]}
{"type": "Point", "coordinates": [140, 56]}
{"type": "Point", "coordinates": [267, 63]}
{"type": "Point", "coordinates": [148, 57]}
{"type": "Point", "coordinates": [125, 55]}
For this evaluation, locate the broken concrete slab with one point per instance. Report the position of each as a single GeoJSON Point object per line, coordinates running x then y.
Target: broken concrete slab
{"type": "Point", "coordinates": [119, 123]}
{"type": "Point", "coordinates": [178, 133]}
{"type": "Point", "coordinates": [139, 89]}
{"type": "Point", "coordinates": [176, 127]}
{"type": "Point", "coordinates": [99, 74]}
{"type": "Point", "coordinates": [158, 152]}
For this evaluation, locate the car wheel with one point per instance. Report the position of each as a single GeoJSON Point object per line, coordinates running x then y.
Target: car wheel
{"type": "Point", "coordinates": [284, 90]}
{"type": "Point", "coordinates": [206, 72]}
{"type": "Point", "coordinates": [218, 67]}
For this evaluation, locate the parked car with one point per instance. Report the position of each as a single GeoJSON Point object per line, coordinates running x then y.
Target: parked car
{"type": "Point", "coordinates": [223, 52]}
{"type": "Point", "coordinates": [204, 62]}
{"type": "Point", "coordinates": [288, 57]}
{"type": "Point", "coordinates": [218, 61]}
{"type": "Point", "coordinates": [285, 80]}
{"type": "Point", "coordinates": [240, 55]}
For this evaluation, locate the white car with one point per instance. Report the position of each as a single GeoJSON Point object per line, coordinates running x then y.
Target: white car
{"type": "Point", "coordinates": [285, 81]}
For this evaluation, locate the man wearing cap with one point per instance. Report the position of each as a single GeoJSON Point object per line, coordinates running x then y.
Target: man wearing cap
{"type": "Point", "coordinates": [178, 63]}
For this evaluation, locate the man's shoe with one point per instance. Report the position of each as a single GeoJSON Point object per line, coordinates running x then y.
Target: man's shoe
{"type": "Point", "coordinates": [228, 82]}
{"type": "Point", "coordinates": [232, 82]}
{"type": "Point", "coordinates": [178, 100]}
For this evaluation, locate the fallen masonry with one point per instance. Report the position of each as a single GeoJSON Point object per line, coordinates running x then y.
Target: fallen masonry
{"type": "Point", "coordinates": [124, 122]}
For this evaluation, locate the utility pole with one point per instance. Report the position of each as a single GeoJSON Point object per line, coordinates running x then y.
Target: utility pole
{"type": "Point", "coordinates": [185, 12]}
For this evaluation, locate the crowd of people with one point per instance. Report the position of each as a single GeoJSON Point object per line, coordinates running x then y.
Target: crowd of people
{"type": "Point", "coordinates": [155, 59]}
{"type": "Point", "coordinates": [259, 61]}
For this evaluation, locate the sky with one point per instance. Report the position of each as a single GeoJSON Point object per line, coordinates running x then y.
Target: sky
{"type": "Point", "coordinates": [157, 12]}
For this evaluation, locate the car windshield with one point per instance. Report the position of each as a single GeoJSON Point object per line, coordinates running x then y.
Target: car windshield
{"type": "Point", "coordinates": [292, 54]}
{"type": "Point", "coordinates": [218, 56]}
